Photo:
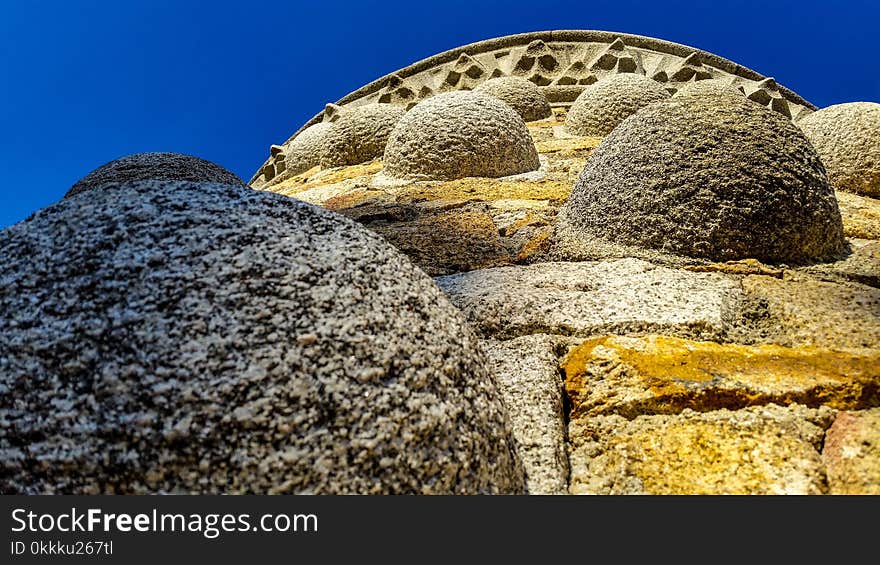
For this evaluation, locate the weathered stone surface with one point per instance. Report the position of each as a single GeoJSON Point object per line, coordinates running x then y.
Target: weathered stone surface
{"type": "Point", "coordinates": [862, 265]}
{"type": "Point", "coordinates": [359, 134]}
{"type": "Point", "coordinates": [570, 147]}
{"type": "Point", "coordinates": [861, 215]}
{"type": "Point", "coordinates": [522, 208]}
{"type": "Point", "coordinates": [757, 450]}
{"type": "Point", "coordinates": [317, 185]}
{"type": "Point", "coordinates": [448, 242]}
{"type": "Point", "coordinates": [158, 166]}
{"type": "Point", "coordinates": [164, 337]}
{"type": "Point", "coordinates": [460, 134]}
{"type": "Point", "coordinates": [630, 376]}
{"type": "Point", "coordinates": [742, 267]}
{"type": "Point", "coordinates": [304, 151]}
{"type": "Point", "coordinates": [847, 137]}
{"type": "Point", "coordinates": [800, 310]}
{"type": "Point", "coordinates": [709, 86]}
{"type": "Point", "coordinates": [588, 299]}
{"type": "Point", "coordinates": [561, 63]}
{"type": "Point", "coordinates": [852, 453]}
{"type": "Point", "coordinates": [602, 106]}
{"type": "Point", "coordinates": [790, 346]}
{"type": "Point", "coordinates": [522, 95]}
{"type": "Point", "coordinates": [332, 191]}
{"type": "Point", "coordinates": [527, 371]}
{"type": "Point", "coordinates": [722, 178]}
{"type": "Point", "coordinates": [766, 93]}
{"type": "Point", "coordinates": [488, 190]}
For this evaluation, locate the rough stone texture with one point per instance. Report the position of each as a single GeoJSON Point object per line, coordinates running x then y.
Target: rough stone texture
{"type": "Point", "coordinates": [709, 86]}
{"type": "Point", "coordinates": [158, 166]}
{"type": "Point", "coordinates": [164, 337]}
{"type": "Point", "coordinates": [801, 311]}
{"type": "Point", "coordinates": [631, 376]}
{"type": "Point", "coordinates": [324, 184]}
{"type": "Point", "coordinates": [781, 334]}
{"type": "Point", "coordinates": [861, 215]}
{"type": "Point", "coordinates": [757, 450]}
{"type": "Point", "coordinates": [447, 242]}
{"type": "Point", "coordinates": [862, 265]}
{"type": "Point", "coordinates": [847, 138]}
{"type": "Point", "coordinates": [586, 299]}
{"type": "Point", "coordinates": [527, 371]}
{"type": "Point", "coordinates": [457, 225]}
{"type": "Point", "coordinates": [743, 267]}
{"type": "Point", "coordinates": [522, 95]}
{"type": "Point", "coordinates": [722, 178]}
{"type": "Point", "coordinates": [602, 106]}
{"type": "Point", "coordinates": [304, 151]}
{"type": "Point", "coordinates": [488, 190]}
{"type": "Point", "coordinates": [562, 63]}
{"type": "Point", "coordinates": [852, 453]}
{"type": "Point", "coordinates": [460, 134]}
{"type": "Point", "coordinates": [359, 134]}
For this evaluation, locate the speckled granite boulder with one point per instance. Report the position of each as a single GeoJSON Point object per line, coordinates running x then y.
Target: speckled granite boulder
{"type": "Point", "coordinates": [159, 166]}
{"type": "Point", "coordinates": [522, 95]}
{"type": "Point", "coordinates": [460, 134]}
{"type": "Point", "coordinates": [303, 152]}
{"type": "Point", "coordinates": [847, 137]}
{"type": "Point", "coordinates": [722, 178]}
{"type": "Point", "coordinates": [177, 337]}
{"type": "Point", "coordinates": [358, 134]}
{"type": "Point", "coordinates": [600, 107]}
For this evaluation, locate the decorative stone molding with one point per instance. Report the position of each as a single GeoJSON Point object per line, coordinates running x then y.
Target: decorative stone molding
{"type": "Point", "coordinates": [562, 63]}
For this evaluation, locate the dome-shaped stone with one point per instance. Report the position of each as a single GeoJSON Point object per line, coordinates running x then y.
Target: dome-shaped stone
{"type": "Point", "coordinates": [600, 107]}
{"type": "Point", "coordinates": [358, 134]}
{"type": "Point", "coordinates": [522, 95]}
{"type": "Point", "coordinates": [167, 336]}
{"type": "Point", "coordinates": [304, 151]}
{"type": "Point", "coordinates": [159, 166]}
{"type": "Point", "coordinates": [716, 176]}
{"type": "Point", "coordinates": [847, 137]}
{"type": "Point", "coordinates": [460, 134]}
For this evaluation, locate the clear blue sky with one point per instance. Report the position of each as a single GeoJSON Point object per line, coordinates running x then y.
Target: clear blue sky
{"type": "Point", "coordinates": [83, 82]}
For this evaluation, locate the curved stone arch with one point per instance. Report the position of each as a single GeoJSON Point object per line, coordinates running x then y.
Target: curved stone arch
{"type": "Point", "coordinates": [563, 63]}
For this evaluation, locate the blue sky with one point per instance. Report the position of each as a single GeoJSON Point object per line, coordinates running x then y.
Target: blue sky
{"type": "Point", "coordinates": [84, 82]}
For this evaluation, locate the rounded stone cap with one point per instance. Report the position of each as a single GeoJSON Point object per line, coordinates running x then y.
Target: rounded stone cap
{"type": "Point", "coordinates": [600, 107]}
{"type": "Point", "coordinates": [155, 165]}
{"type": "Point", "coordinates": [522, 95]}
{"type": "Point", "coordinates": [716, 176]}
{"type": "Point", "coordinates": [460, 134]}
{"type": "Point", "coordinates": [304, 150]}
{"type": "Point", "coordinates": [179, 337]}
{"type": "Point", "coordinates": [847, 137]}
{"type": "Point", "coordinates": [358, 134]}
